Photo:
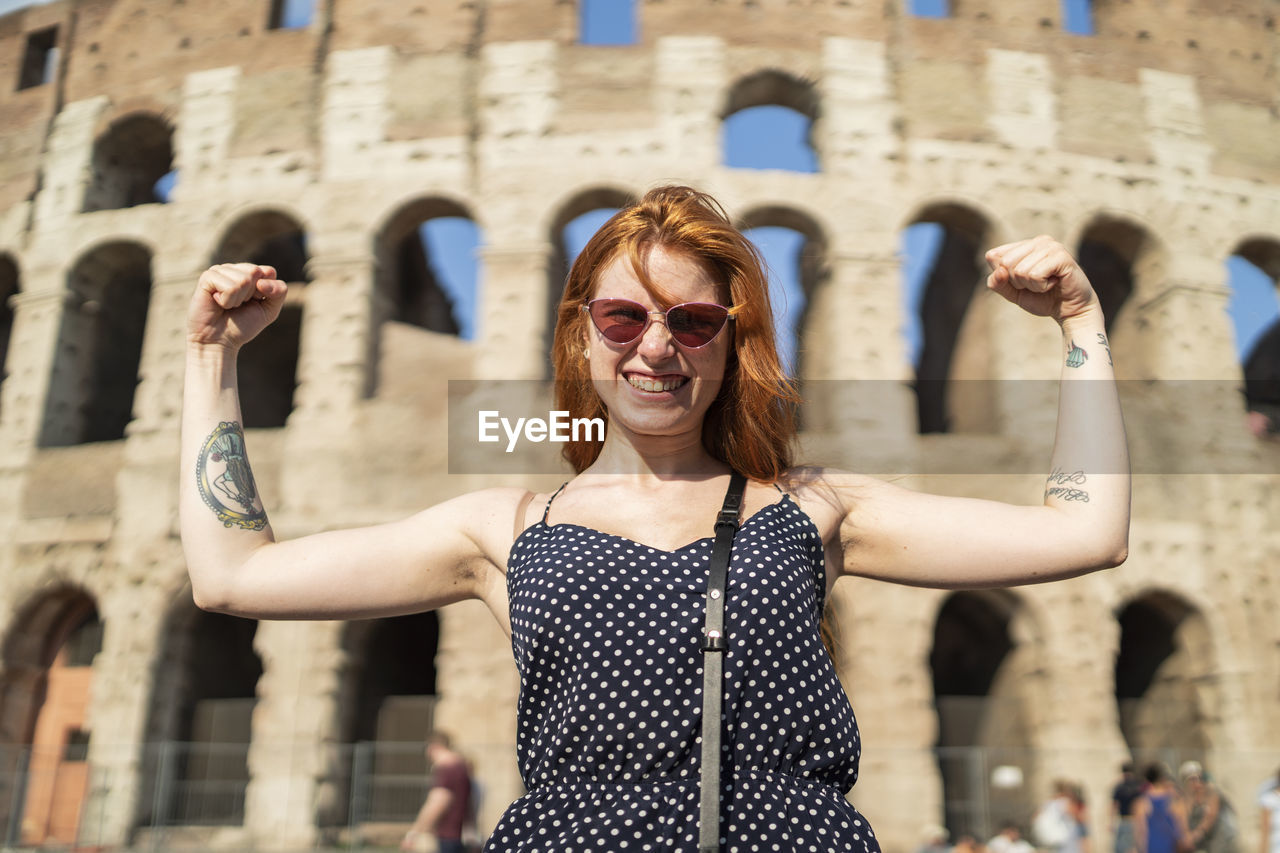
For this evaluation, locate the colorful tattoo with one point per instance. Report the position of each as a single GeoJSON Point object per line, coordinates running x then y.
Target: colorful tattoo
{"type": "Point", "coordinates": [1102, 339]}
{"type": "Point", "coordinates": [1062, 485]}
{"type": "Point", "coordinates": [1076, 356]}
{"type": "Point", "coordinates": [225, 481]}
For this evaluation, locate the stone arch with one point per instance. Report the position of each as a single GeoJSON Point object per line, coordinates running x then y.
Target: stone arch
{"type": "Point", "coordinates": [954, 349]}
{"type": "Point", "coordinates": [99, 349]}
{"type": "Point", "coordinates": [44, 712]}
{"type": "Point", "coordinates": [10, 286]}
{"type": "Point", "coordinates": [812, 270]}
{"type": "Point", "coordinates": [387, 696]}
{"type": "Point", "coordinates": [200, 720]}
{"type": "Point", "coordinates": [411, 287]}
{"type": "Point", "coordinates": [1124, 264]}
{"type": "Point", "coordinates": [984, 662]}
{"type": "Point", "coordinates": [1164, 678]}
{"type": "Point", "coordinates": [1260, 353]}
{"type": "Point", "coordinates": [772, 101]}
{"type": "Point", "coordinates": [580, 203]}
{"type": "Point", "coordinates": [128, 161]}
{"type": "Point", "coordinates": [268, 365]}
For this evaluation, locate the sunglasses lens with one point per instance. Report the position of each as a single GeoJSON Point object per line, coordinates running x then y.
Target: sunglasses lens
{"type": "Point", "coordinates": [696, 324]}
{"type": "Point", "coordinates": [619, 320]}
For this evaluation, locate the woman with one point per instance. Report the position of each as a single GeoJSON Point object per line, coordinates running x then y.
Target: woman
{"type": "Point", "coordinates": [665, 329]}
{"type": "Point", "coordinates": [1160, 815]}
{"type": "Point", "coordinates": [1269, 806]}
{"type": "Point", "coordinates": [1211, 823]}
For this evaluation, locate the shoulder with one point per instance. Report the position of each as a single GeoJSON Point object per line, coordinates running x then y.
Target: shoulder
{"type": "Point", "coordinates": [835, 497]}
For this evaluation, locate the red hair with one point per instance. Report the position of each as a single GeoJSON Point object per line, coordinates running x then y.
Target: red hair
{"type": "Point", "coordinates": [751, 425]}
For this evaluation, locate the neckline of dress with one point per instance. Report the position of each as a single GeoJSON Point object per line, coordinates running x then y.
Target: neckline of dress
{"type": "Point", "coordinates": [542, 524]}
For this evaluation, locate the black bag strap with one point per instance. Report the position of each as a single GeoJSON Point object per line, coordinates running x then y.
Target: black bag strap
{"type": "Point", "coordinates": [714, 647]}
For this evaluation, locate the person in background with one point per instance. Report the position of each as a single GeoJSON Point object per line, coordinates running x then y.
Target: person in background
{"type": "Point", "coordinates": [1079, 811]}
{"type": "Point", "coordinates": [1010, 840]}
{"type": "Point", "coordinates": [447, 809]}
{"type": "Point", "coordinates": [1269, 803]}
{"type": "Point", "coordinates": [1123, 796]}
{"type": "Point", "coordinates": [1160, 815]}
{"type": "Point", "coordinates": [1210, 818]}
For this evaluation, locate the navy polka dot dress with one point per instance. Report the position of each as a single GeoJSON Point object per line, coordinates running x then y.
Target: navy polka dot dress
{"type": "Point", "coordinates": [606, 638]}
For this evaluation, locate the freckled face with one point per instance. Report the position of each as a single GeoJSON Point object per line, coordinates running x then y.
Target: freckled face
{"type": "Point", "coordinates": [654, 385]}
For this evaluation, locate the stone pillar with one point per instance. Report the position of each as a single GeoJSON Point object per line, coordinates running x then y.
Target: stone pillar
{"type": "Point", "coordinates": [855, 134]}
{"type": "Point", "coordinates": [296, 715]}
{"type": "Point", "coordinates": [1175, 121]}
{"type": "Point", "coordinates": [356, 111]}
{"type": "Point", "coordinates": [688, 95]}
{"type": "Point", "coordinates": [1075, 723]}
{"type": "Point", "coordinates": [857, 381]}
{"type": "Point", "coordinates": [477, 687]}
{"type": "Point", "coordinates": [516, 102]}
{"type": "Point", "coordinates": [888, 633]}
{"type": "Point", "coordinates": [202, 138]}
{"type": "Point", "coordinates": [333, 375]}
{"type": "Point", "coordinates": [148, 482]}
{"type": "Point", "coordinates": [1022, 100]}
{"type": "Point", "coordinates": [515, 323]}
{"type": "Point", "coordinates": [124, 681]}
{"type": "Point", "coordinates": [37, 313]}
{"type": "Point", "coordinates": [36, 323]}
{"type": "Point", "coordinates": [68, 165]}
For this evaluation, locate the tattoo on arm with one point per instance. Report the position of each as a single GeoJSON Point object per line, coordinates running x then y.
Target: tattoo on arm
{"type": "Point", "coordinates": [1076, 356]}
{"type": "Point", "coordinates": [1102, 339]}
{"type": "Point", "coordinates": [1065, 486]}
{"type": "Point", "coordinates": [225, 481]}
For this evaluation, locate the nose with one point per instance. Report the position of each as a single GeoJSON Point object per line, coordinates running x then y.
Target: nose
{"type": "Point", "coordinates": [656, 340]}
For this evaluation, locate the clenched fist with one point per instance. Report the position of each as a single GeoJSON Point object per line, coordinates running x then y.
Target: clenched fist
{"type": "Point", "coordinates": [232, 304]}
{"type": "Point", "coordinates": [1041, 277]}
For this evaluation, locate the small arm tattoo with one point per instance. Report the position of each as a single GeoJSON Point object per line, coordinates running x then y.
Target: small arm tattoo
{"type": "Point", "coordinates": [225, 481]}
{"type": "Point", "coordinates": [1102, 339]}
{"type": "Point", "coordinates": [1064, 485]}
{"type": "Point", "coordinates": [1076, 356]}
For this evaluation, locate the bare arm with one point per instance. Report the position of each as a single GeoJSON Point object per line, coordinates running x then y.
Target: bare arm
{"type": "Point", "coordinates": [1141, 808]}
{"type": "Point", "coordinates": [433, 808]}
{"type": "Point", "coordinates": [1266, 830]}
{"type": "Point", "coordinates": [1082, 524]}
{"type": "Point", "coordinates": [444, 554]}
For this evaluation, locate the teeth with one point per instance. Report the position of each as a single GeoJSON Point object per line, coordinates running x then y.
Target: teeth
{"type": "Point", "coordinates": [656, 384]}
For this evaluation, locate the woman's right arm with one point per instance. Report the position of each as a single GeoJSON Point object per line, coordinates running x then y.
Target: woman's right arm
{"type": "Point", "coordinates": [441, 555]}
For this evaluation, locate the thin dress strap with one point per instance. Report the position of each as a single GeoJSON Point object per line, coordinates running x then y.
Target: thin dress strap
{"type": "Point", "coordinates": [554, 495]}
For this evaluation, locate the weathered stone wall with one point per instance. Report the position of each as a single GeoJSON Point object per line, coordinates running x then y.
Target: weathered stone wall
{"type": "Point", "coordinates": [1166, 120]}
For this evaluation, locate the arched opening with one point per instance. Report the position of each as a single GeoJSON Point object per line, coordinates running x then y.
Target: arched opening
{"type": "Point", "coordinates": [47, 690]}
{"type": "Point", "coordinates": [768, 124]}
{"type": "Point", "coordinates": [1254, 308]}
{"type": "Point", "coordinates": [1108, 253]}
{"type": "Point", "coordinates": [428, 281]}
{"type": "Point", "coordinates": [268, 365]}
{"type": "Point", "coordinates": [388, 703]}
{"type": "Point", "coordinates": [99, 349]}
{"type": "Point", "coordinates": [129, 162]}
{"type": "Point", "coordinates": [1162, 668]}
{"type": "Point", "coordinates": [795, 251]}
{"type": "Point", "coordinates": [201, 721]}
{"type": "Point", "coordinates": [942, 269]}
{"type": "Point", "coordinates": [982, 692]}
{"type": "Point", "coordinates": [8, 290]}
{"type": "Point", "coordinates": [573, 226]}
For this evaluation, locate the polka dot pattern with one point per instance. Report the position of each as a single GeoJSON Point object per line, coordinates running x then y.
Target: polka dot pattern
{"type": "Point", "coordinates": [605, 633]}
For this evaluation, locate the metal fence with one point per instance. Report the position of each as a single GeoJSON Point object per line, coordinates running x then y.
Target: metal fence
{"type": "Point", "coordinates": [192, 795]}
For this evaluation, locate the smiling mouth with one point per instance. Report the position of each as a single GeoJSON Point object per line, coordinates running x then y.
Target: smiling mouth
{"type": "Point", "coordinates": [656, 383]}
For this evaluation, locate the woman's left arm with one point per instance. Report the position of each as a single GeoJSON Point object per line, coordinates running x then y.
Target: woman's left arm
{"type": "Point", "coordinates": [1082, 524]}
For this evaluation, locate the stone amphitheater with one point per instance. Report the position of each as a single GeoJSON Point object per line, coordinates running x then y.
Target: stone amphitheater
{"type": "Point", "coordinates": [1149, 147]}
